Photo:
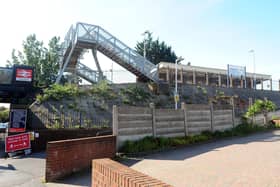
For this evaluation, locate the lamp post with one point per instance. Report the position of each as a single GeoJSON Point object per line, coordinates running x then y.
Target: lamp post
{"type": "Point", "coordinates": [254, 71]}
{"type": "Point", "coordinates": [144, 34]}
{"type": "Point", "coordinates": [176, 96]}
{"type": "Point", "coordinates": [144, 52]}
{"type": "Point", "coordinates": [254, 66]}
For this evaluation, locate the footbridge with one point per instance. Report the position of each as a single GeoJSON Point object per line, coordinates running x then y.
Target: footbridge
{"type": "Point", "coordinates": [82, 37]}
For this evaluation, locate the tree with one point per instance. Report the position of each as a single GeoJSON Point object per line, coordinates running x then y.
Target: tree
{"type": "Point", "coordinates": [261, 106]}
{"type": "Point", "coordinates": [44, 60]}
{"type": "Point", "coordinates": [156, 51]}
{"type": "Point", "coordinates": [4, 114]}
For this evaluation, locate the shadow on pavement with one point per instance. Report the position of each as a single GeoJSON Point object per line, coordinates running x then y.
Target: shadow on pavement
{"type": "Point", "coordinates": [197, 149]}
{"type": "Point", "coordinates": [9, 167]}
{"type": "Point", "coordinates": [82, 178]}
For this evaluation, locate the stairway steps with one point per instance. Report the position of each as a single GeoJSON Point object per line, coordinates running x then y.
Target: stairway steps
{"type": "Point", "coordinates": [117, 51]}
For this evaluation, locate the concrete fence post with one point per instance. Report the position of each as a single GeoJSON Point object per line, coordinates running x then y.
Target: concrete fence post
{"type": "Point", "coordinates": [115, 120]}
{"type": "Point", "coordinates": [186, 128]}
{"type": "Point", "coordinates": [153, 112]}
{"type": "Point", "coordinates": [211, 117]}
{"type": "Point", "coordinates": [233, 111]}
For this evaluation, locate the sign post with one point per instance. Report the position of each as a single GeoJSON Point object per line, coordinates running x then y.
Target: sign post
{"type": "Point", "coordinates": [17, 142]}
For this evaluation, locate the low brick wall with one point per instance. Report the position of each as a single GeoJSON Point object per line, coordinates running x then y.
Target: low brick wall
{"type": "Point", "coordinates": [47, 135]}
{"type": "Point", "coordinates": [106, 172]}
{"type": "Point", "coordinates": [68, 156]}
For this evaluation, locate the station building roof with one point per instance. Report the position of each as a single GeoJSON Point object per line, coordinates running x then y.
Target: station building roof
{"type": "Point", "coordinates": [163, 65]}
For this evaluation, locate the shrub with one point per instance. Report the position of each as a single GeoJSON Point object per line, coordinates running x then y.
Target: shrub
{"type": "Point", "coordinates": [134, 94]}
{"type": "Point", "coordinates": [58, 92]}
{"type": "Point", "coordinates": [103, 90]}
{"type": "Point", "coordinates": [260, 106]}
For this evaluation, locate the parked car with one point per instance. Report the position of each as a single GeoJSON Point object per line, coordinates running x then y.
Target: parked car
{"type": "Point", "coordinates": [4, 126]}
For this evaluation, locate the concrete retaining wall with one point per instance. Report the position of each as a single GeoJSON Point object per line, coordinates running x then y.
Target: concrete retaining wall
{"type": "Point", "coordinates": [134, 123]}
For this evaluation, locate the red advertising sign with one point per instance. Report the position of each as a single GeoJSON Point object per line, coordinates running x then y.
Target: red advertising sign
{"type": "Point", "coordinates": [17, 142]}
{"type": "Point", "coordinates": [23, 75]}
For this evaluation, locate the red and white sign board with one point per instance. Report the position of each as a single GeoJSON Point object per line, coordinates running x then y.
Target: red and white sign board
{"type": "Point", "coordinates": [24, 75]}
{"type": "Point", "coordinates": [17, 142]}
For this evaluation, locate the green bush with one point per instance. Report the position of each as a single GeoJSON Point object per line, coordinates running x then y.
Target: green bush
{"type": "Point", "coordinates": [260, 106]}
{"type": "Point", "coordinates": [134, 94]}
{"type": "Point", "coordinates": [57, 92]}
{"type": "Point", "coordinates": [103, 90]}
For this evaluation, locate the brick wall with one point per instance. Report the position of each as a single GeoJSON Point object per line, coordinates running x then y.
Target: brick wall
{"type": "Point", "coordinates": [47, 135]}
{"type": "Point", "coordinates": [68, 156]}
{"type": "Point", "coordinates": [106, 172]}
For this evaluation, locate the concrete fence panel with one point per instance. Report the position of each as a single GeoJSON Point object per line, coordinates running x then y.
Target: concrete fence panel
{"type": "Point", "coordinates": [222, 120]}
{"type": "Point", "coordinates": [169, 122]}
{"type": "Point", "coordinates": [198, 120]}
{"type": "Point", "coordinates": [134, 123]}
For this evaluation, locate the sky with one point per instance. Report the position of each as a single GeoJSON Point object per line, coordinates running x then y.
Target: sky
{"type": "Point", "coordinates": [210, 33]}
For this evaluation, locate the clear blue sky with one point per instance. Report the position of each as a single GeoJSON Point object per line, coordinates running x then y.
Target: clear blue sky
{"type": "Point", "coordinates": [210, 33]}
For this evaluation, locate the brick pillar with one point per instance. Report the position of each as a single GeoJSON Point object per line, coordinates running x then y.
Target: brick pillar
{"type": "Point", "coordinates": [241, 83]}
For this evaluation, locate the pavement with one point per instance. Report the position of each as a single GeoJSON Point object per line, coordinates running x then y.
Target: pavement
{"type": "Point", "coordinates": [242, 161]}
{"type": "Point", "coordinates": [24, 171]}
{"type": "Point", "coordinates": [29, 171]}
{"type": "Point", "coordinates": [247, 161]}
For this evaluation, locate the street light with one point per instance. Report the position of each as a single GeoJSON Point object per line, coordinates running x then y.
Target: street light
{"type": "Point", "coordinates": [176, 96]}
{"type": "Point", "coordinates": [254, 71]}
{"type": "Point", "coordinates": [144, 34]}
{"type": "Point", "coordinates": [254, 66]}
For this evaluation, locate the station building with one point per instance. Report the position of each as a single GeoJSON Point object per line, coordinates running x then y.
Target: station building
{"type": "Point", "coordinates": [205, 76]}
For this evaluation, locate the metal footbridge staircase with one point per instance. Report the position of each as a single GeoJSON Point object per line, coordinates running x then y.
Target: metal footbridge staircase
{"type": "Point", "coordinates": [92, 37]}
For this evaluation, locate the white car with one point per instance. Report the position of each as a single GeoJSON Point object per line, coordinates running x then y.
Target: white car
{"type": "Point", "coordinates": [4, 125]}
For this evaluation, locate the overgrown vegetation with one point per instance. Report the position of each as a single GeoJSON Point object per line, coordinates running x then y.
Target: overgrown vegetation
{"type": "Point", "coordinates": [103, 90]}
{"type": "Point", "coordinates": [149, 144]}
{"type": "Point", "coordinates": [57, 92]}
{"type": "Point", "coordinates": [260, 106]}
{"type": "Point", "coordinates": [133, 95]}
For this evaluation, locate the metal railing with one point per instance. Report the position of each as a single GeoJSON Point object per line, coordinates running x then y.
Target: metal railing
{"type": "Point", "coordinates": [113, 47]}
